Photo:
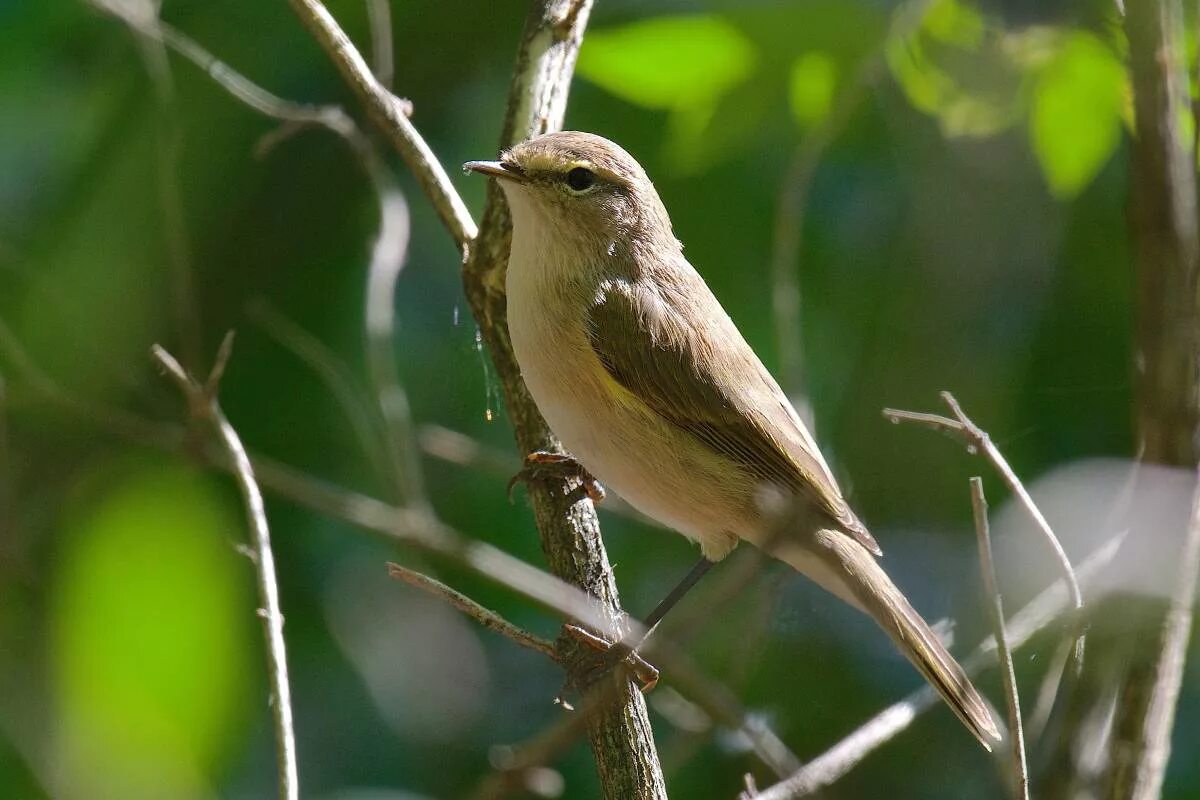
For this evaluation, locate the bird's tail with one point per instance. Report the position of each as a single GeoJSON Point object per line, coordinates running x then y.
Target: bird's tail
{"type": "Point", "coordinates": [845, 568]}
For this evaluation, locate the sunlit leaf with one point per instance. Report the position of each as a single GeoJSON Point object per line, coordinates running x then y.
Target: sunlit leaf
{"type": "Point", "coordinates": [958, 69]}
{"type": "Point", "coordinates": [1075, 122]}
{"type": "Point", "coordinates": [667, 62]}
{"type": "Point", "coordinates": [151, 620]}
{"type": "Point", "coordinates": [814, 76]}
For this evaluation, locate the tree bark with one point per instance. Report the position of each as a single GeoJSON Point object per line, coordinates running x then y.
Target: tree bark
{"type": "Point", "coordinates": [620, 734]}
{"type": "Point", "coordinates": [1163, 220]}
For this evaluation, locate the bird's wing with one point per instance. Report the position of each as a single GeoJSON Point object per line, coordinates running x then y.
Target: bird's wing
{"type": "Point", "coordinates": [648, 346]}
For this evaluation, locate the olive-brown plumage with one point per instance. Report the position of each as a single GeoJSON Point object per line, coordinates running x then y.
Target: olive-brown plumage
{"type": "Point", "coordinates": [649, 384]}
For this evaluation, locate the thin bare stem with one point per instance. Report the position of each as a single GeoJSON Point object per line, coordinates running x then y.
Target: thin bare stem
{"type": "Point", "coordinates": [977, 440]}
{"type": "Point", "coordinates": [383, 57]}
{"type": "Point", "coordinates": [1016, 731]}
{"type": "Point", "coordinates": [202, 401]}
{"type": "Point", "coordinates": [387, 260]}
{"type": "Point", "coordinates": [484, 616]}
{"type": "Point", "coordinates": [832, 765]}
{"type": "Point", "coordinates": [330, 370]}
{"type": "Point", "coordinates": [391, 115]}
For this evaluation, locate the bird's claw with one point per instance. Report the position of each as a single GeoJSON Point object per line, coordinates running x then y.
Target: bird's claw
{"type": "Point", "coordinates": [541, 465]}
{"type": "Point", "coordinates": [611, 656]}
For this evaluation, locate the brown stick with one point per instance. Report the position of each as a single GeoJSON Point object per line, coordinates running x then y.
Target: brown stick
{"type": "Point", "coordinates": [1016, 731]}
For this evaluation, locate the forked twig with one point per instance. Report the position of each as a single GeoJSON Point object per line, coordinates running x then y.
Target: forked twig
{"type": "Point", "coordinates": [977, 440]}
{"type": "Point", "coordinates": [202, 403]}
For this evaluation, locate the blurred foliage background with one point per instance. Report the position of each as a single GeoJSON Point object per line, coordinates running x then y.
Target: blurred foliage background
{"type": "Point", "coordinates": [965, 229]}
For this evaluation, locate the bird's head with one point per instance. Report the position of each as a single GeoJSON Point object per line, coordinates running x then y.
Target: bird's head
{"type": "Point", "coordinates": [579, 188]}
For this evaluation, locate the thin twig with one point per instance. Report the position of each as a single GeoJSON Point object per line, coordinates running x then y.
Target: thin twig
{"type": "Point", "coordinates": [484, 616]}
{"type": "Point", "coordinates": [379, 16]}
{"type": "Point", "coordinates": [837, 761]}
{"type": "Point", "coordinates": [977, 440]}
{"type": "Point", "coordinates": [387, 260]}
{"type": "Point", "coordinates": [331, 371]}
{"type": "Point", "coordinates": [202, 401]}
{"type": "Point", "coordinates": [391, 115]}
{"type": "Point", "coordinates": [1016, 731]}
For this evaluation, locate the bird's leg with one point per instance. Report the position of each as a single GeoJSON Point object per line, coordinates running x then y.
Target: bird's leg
{"type": "Point", "coordinates": [615, 653]}
{"type": "Point", "coordinates": [541, 465]}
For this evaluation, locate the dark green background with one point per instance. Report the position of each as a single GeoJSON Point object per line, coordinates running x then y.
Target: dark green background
{"type": "Point", "coordinates": [977, 244]}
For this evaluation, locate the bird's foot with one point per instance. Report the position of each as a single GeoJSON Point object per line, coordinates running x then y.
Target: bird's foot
{"type": "Point", "coordinates": [541, 465]}
{"type": "Point", "coordinates": [610, 656]}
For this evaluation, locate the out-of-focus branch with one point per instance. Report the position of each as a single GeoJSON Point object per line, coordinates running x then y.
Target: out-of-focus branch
{"type": "Point", "coordinates": [837, 761]}
{"type": "Point", "coordinates": [331, 371]}
{"type": "Point", "coordinates": [1016, 730]}
{"type": "Point", "coordinates": [978, 441]}
{"type": "Point", "coordinates": [1163, 220]}
{"type": "Point", "coordinates": [203, 406]}
{"type": "Point", "coordinates": [791, 206]}
{"type": "Point", "coordinates": [390, 113]}
{"type": "Point", "coordinates": [383, 56]}
{"type": "Point", "coordinates": [484, 616]}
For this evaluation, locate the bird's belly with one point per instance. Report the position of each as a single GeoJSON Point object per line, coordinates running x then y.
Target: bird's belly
{"type": "Point", "coordinates": [654, 466]}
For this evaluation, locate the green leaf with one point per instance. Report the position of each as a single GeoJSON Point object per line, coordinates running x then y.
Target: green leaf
{"type": "Point", "coordinates": [668, 62]}
{"type": "Point", "coordinates": [151, 619]}
{"type": "Point", "coordinates": [1075, 122]}
{"type": "Point", "coordinates": [813, 79]}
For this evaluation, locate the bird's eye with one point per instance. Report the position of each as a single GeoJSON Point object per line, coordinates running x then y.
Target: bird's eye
{"type": "Point", "coordinates": [581, 179]}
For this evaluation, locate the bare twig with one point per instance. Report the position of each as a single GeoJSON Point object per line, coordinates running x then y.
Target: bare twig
{"type": "Point", "coordinates": [1016, 731]}
{"type": "Point", "coordinates": [379, 15]}
{"type": "Point", "coordinates": [391, 115]}
{"type": "Point", "coordinates": [484, 616]}
{"type": "Point", "coordinates": [202, 402]}
{"type": "Point", "coordinates": [837, 761]}
{"type": "Point", "coordinates": [387, 260]}
{"type": "Point", "coordinates": [978, 441]}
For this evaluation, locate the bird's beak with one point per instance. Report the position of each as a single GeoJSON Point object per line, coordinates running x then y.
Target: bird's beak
{"type": "Point", "coordinates": [505, 170]}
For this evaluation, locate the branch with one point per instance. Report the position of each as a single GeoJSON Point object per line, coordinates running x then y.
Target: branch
{"type": "Point", "coordinates": [1140, 770]}
{"type": "Point", "coordinates": [791, 207]}
{"type": "Point", "coordinates": [484, 616]}
{"type": "Point", "coordinates": [390, 114]}
{"type": "Point", "coordinates": [621, 738]}
{"type": "Point", "coordinates": [978, 441]}
{"type": "Point", "coordinates": [379, 15]}
{"type": "Point", "coordinates": [1016, 730]}
{"type": "Point", "coordinates": [827, 768]}
{"type": "Point", "coordinates": [1163, 219]}
{"type": "Point", "coordinates": [202, 402]}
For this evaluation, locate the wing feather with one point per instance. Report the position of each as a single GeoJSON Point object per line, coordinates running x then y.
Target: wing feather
{"type": "Point", "coordinates": [647, 345]}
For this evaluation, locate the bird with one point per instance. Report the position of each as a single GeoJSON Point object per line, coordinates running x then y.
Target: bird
{"type": "Point", "coordinates": [652, 389]}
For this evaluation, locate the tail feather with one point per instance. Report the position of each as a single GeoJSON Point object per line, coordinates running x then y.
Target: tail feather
{"type": "Point", "coordinates": [848, 570]}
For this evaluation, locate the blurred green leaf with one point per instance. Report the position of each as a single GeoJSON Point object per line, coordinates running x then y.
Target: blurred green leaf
{"type": "Point", "coordinates": [813, 79]}
{"type": "Point", "coordinates": [668, 62]}
{"type": "Point", "coordinates": [958, 69]}
{"type": "Point", "coordinates": [150, 630]}
{"type": "Point", "coordinates": [1075, 122]}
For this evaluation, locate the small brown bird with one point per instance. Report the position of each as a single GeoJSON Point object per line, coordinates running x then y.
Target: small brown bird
{"type": "Point", "coordinates": [648, 383]}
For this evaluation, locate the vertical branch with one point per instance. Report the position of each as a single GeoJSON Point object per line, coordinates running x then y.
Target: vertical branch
{"type": "Point", "coordinates": [621, 739]}
{"type": "Point", "coordinates": [1163, 220]}
{"type": "Point", "coordinates": [1016, 731]}
{"type": "Point", "coordinates": [383, 58]}
{"type": "Point", "coordinates": [203, 405]}
{"type": "Point", "coordinates": [1164, 226]}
